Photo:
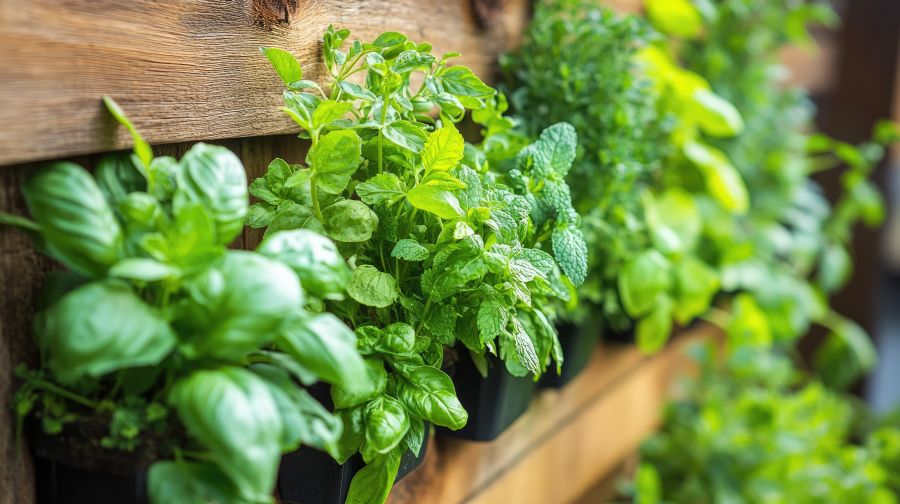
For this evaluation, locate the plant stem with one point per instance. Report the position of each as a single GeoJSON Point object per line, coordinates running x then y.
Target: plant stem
{"type": "Point", "coordinates": [56, 389]}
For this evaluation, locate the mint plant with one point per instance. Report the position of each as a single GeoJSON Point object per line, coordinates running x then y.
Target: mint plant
{"type": "Point", "coordinates": [191, 353]}
{"type": "Point", "coordinates": [440, 251]}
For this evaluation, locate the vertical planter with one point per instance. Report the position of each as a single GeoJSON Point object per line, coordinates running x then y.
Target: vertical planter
{"type": "Point", "coordinates": [577, 341]}
{"type": "Point", "coordinates": [310, 476]}
{"type": "Point", "coordinates": [493, 403]}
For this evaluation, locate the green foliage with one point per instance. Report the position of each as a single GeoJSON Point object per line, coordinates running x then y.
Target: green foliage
{"type": "Point", "coordinates": [155, 310]}
{"type": "Point", "coordinates": [577, 65]}
{"type": "Point", "coordinates": [435, 237]}
{"type": "Point", "coordinates": [755, 431]}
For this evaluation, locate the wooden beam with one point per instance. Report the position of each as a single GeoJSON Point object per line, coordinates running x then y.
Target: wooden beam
{"type": "Point", "coordinates": [192, 70]}
{"type": "Point", "coordinates": [567, 441]}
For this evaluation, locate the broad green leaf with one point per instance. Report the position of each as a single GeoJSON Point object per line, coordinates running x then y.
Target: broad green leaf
{"type": "Point", "coordinates": [143, 269]}
{"type": "Point", "coordinates": [327, 347]}
{"type": "Point", "coordinates": [315, 259]}
{"type": "Point", "coordinates": [389, 39]}
{"type": "Point", "coordinates": [675, 221]}
{"type": "Point", "coordinates": [237, 305]}
{"type": "Point", "coordinates": [285, 64]}
{"type": "Point", "coordinates": [352, 435]}
{"type": "Point", "coordinates": [371, 287]}
{"type": "Point", "coordinates": [335, 159]}
{"type": "Point", "coordinates": [642, 280]}
{"type": "Point", "coordinates": [384, 188]}
{"type": "Point", "coordinates": [749, 325]}
{"type": "Point", "coordinates": [846, 355]}
{"type": "Point", "coordinates": [117, 176]}
{"type": "Point", "coordinates": [142, 149]}
{"type": "Point", "coordinates": [397, 338]}
{"type": "Point", "coordinates": [435, 198]}
{"type": "Point", "coordinates": [293, 216]}
{"type": "Point", "coordinates": [370, 389]}
{"type": "Point", "coordinates": [78, 226]}
{"type": "Point", "coordinates": [570, 251]}
{"type": "Point", "coordinates": [305, 420]}
{"type": "Point", "coordinates": [653, 330]}
{"type": "Point", "coordinates": [372, 484]}
{"type": "Point", "coordinates": [410, 250]}
{"type": "Point", "coordinates": [443, 150]}
{"type": "Point", "coordinates": [189, 483]}
{"type": "Point", "coordinates": [716, 116]}
{"type": "Point", "coordinates": [835, 266]}
{"type": "Point", "coordinates": [428, 393]}
{"type": "Point", "coordinates": [696, 285]}
{"type": "Point", "coordinates": [457, 265]}
{"type": "Point", "coordinates": [214, 177]}
{"type": "Point", "coordinates": [723, 181]}
{"type": "Point", "coordinates": [328, 111]}
{"type": "Point", "coordinates": [102, 327]}
{"type": "Point", "coordinates": [231, 412]}
{"type": "Point", "coordinates": [406, 135]}
{"type": "Point", "coordinates": [461, 81]}
{"type": "Point", "coordinates": [349, 221]}
{"type": "Point", "coordinates": [675, 17]}
{"type": "Point", "coordinates": [386, 424]}
{"type": "Point", "coordinates": [356, 91]}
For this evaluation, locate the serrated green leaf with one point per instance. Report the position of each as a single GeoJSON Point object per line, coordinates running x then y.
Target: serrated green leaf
{"type": "Point", "coordinates": [570, 251]}
{"type": "Point", "coordinates": [410, 250]}
{"type": "Point", "coordinates": [443, 150]}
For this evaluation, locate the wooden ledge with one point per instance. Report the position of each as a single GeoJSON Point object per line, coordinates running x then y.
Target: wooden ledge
{"type": "Point", "coordinates": [567, 441]}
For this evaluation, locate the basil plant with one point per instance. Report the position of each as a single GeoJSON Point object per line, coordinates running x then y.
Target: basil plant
{"type": "Point", "coordinates": [437, 247]}
{"type": "Point", "coordinates": [187, 352]}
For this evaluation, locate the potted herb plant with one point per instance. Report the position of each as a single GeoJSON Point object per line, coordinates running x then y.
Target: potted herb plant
{"type": "Point", "coordinates": [436, 245]}
{"type": "Point", "coordinates": [171, 366]}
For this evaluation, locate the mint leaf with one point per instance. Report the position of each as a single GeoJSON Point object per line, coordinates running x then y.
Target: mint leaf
{"type": "Point", "coordinates": [410, 250]}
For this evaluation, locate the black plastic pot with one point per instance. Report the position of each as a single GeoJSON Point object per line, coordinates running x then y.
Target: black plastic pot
{"type": "Point", "coordinates": [493, 403]}
{"type": "Point", "coordinates": [71, 469]}
{"type": "Point", "coordinates": [577, 341]}
{"type": "Point", "coordinates": [309, 476]}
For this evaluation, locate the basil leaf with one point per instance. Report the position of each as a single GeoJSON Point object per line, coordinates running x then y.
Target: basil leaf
{"type": "Point", "coordinates": [323, 344]}
{"type": "Point", "coordinates": [237, 305]}
{"type": "Point", "coordinates": [305, 419]}
{"type": "Point", "coordinates": [189, 483]}
{"type": "Point", "coordinates": [314, 258]}
{"type": "Point", "coordinates": [384, 188]}
{"type": "Point", "coordinates": [247, 447]}
{"type": "Point", "coordinates": [344, 397]}
{"type": "Point", "coordinates": [428, 393]}
{"type": "Point", "coordinates": [371, 287]}
{"type": "Point", "coordinates": [386, 424]}
{"type": "Point", "coordinates": [101, 327]}
{"type": "Point", "coordinates": [328, 111]}
{"type": "Point", "coordinates": [349, 221]}
{"type": "Point", "coordinates": [214, 177]}
{"type": "Point", "coordinates": [372, 484]}
{"type": "Point", "coordinates": [336, 158]}
{"type": "Point", "coordinates": [78, 226]}
{"type": "Point", "coordinates": [723, 181]}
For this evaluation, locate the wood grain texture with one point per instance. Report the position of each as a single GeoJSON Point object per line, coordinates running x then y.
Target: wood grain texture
{"type": "Point", "coordinates": [191, 70]}
{"type": "Point", "coordinates": [21, 273]}
{"type": "Point", "coordinates": [567, 441]}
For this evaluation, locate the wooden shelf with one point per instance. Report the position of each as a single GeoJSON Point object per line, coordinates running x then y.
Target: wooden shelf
{"type": "Point", "coordinates": [567, 441]}
{"type": "Point", "coordinates": [188, 71]}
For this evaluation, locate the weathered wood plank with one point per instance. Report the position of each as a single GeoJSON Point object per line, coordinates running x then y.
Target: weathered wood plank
{"type": "Point", "coordinates": [567, 441]}
{"type": "Point", "coordinates": [191, 70]}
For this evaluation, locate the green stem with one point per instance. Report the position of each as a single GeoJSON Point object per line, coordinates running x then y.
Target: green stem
{"type": "Point", "coordinates": [72, 396]}
{"type": "Point", "coordinates": [7, 219]}
{"type": "Point", "coordinates": [424, 315]}
{"type": "Point", "coordinates": [314, 195]}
